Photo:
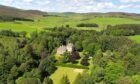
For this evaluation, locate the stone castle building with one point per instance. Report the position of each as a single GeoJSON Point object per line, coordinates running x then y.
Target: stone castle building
{"type": "Point", "coordinates": [62, 49]}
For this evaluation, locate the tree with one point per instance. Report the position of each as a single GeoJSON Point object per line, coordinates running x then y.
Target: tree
{"type": "Point", "coordinates": [128, 29]}
{"type": "Point", "coordinates": [87, 25]}
{"type": "Point", "coordinates": [9, 33]}
{"type": "Point", "coordinates": [33, 35]}
{"type": "Point", "coordinates": [43, 53]}
{"type": "Point", "coordinates": [78, 79]}
{"type": "Point", "coordinates": [97, 57]}
{"type": "Point", "coordinates": [67, 26]}
{"type": "Point", "coordinates": [84, 79]}
{"type": "Point", "coordinates": [78, 46]}
{"type": "Point", "coordinates": [75, 55]}
{"type": "Point", "coordinates": [47, 67]}
{"type": "Point", "coordinates": [66, 57]}
{"type": "Point", "coordinates": [91, 48]}
{"type": "Point", "coordinates": [97, 73]}
{"type": "Point", "coordinates": [22, 80]}
{"type": "Point", "coordinates": [13, 75]}
{"type": "Point", "coordinates": [84, 61]}
{"type": "Point", "coordinates": [136, 79]}
{"type": "Point", "coordinates": [132, 63]}
{"type": "Point", "coordinates": [113, 72]}
{"type": "Point", "coordinates": [125, 80]}
{"type": "Point", "coordinates": [47, 80]}
{"type": "Point", "coordinates": [64, 80]}
{"type": "Point", "coordinates": [34, 73]}
{"type": "Point", "coordinates": [23, 34]}
{"type": "Point", "coordinates": [29, 49]}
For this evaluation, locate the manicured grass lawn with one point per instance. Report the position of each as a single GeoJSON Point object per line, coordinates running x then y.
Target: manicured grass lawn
{"type": "Point", "coordinates": [70, 72]}
{"type": "Point", "coordinates": [135, 38]}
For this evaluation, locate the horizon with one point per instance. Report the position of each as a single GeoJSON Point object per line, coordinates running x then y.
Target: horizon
{"type": "Point", "coordinates": [76, 6]}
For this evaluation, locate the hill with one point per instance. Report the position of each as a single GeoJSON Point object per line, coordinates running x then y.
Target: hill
{"type": "Point", "coordinates": [108, 14]}
{"type": "Point", "coordinates": [15, 12]}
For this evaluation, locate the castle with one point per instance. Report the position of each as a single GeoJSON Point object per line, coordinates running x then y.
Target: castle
{"type": "Point", "coordinates": [62, 49]}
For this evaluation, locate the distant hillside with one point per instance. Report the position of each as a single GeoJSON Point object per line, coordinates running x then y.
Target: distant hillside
{"type": "Point", "coordinates": [20, 13]}
{"type": "Point", "coordinates": [108, 14]}
{"type": "Point", "coordinates": [15, 12]}
{"type": "Point", "coordinates": [118, 14]}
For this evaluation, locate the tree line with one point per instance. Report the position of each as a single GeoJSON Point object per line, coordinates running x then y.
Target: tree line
{"type": "Point", "coordinates": [87, 25]}
{"type": "Point", "coordinates": [123, 30]}
{"type": "Point", "coordinates": [10, 18]}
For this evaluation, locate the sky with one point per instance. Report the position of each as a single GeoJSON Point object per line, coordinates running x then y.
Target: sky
{"type": "Point", "coordinates": [80, 6]}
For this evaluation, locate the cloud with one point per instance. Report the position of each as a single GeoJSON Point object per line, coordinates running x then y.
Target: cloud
{"type": "Point", "coordinates": [125, 6]}
{"type": "Point", "coordinates": [129, 6]}
{"type": "Point", "coordinates": [82, 5]}
{"type": "Point", "coordinates": [128, 1]}
{"type": "Point", "coordinates": [75, 5]}
{"type": "Point", "coordinates": [28, 1]}
{"type": "Point", "coordinates": [42, 2]}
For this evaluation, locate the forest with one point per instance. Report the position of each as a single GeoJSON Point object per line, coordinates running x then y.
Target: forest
{"type": "Point", "coordinates": [108, 56]}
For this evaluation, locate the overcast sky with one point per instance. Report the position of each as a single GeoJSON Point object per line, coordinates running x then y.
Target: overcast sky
{"type": "Point", "coordinates": [81, 6]}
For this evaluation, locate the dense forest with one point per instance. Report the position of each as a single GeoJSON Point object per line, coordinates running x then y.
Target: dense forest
{"type": "Point", "coordinates": [115, 59]}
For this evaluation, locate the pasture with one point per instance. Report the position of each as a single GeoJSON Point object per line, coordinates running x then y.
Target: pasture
{"type": "Point", "coordinates": [63, 19]}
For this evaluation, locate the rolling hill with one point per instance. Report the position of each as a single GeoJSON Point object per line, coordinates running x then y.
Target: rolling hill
{"type": "Point", "coordinates": [15, 12]}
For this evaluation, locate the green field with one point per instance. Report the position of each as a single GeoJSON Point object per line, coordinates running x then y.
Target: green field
{"type": "Point", "coordinates": [135, 38]}
{"type": "Point", "coordinates": [70, 72]}
{"type": "Point", "coordinates": [64, 19]}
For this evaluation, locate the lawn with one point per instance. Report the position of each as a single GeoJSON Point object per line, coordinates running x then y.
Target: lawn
{"type": "Point", "coordinates": [70, 72]}
{"type": "Point", "coordinates": [135, 38]}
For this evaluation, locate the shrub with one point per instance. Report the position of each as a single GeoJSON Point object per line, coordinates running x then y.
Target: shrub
{"type": "Point", "coordinates": [84, 61]}
{"type": "Point", "coordinates": [71, 66]}
{"type": "Point", "coordinates": [9, 33]}
{"type": "Point", "coordinates": [87, 25]}
{"type": "Point", "coordinates": [64, 80]}
{"type": "Point", "coordinates": [75, 56]}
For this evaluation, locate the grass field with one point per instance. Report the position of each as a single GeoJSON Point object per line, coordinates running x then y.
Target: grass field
{"type": "Point", "coordinates": [64, 19]}
{"type": "Point", "coordinates": [70, 72]}
{"type": "Point", "coordinates": [17, 27]}
{"type": "Point", "coordinates": [73, 20]}
{"type": "Point", "coordinates": [135, 38]}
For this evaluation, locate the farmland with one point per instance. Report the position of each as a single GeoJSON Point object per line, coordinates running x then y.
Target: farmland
{"type": "Point", "coordinates": [72, 20]}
